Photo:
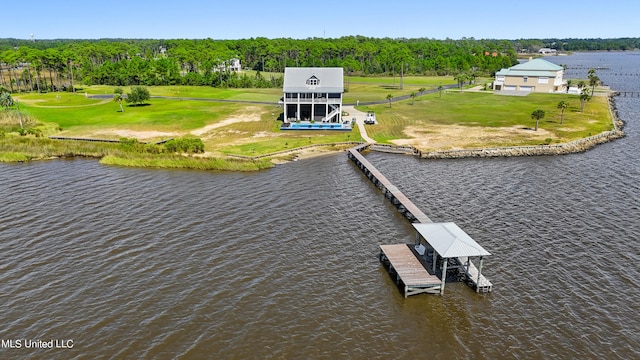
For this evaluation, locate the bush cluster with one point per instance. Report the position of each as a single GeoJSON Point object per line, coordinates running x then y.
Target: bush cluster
{"type": "Point", "coordinates": [192, 145]}
{"type": "Point", "coordinates": [185, 145]}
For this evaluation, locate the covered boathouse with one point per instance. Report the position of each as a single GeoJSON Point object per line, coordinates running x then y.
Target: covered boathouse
{"type": "Point", "coordinates": [313, 99]}
{"type": "Point", "coordinates": [445, 243]}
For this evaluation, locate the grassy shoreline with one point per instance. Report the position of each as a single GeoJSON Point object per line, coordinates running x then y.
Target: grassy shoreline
{"type": "Point", "coordinates": [23, 149]}
{"type": "Point", "coordinates": [430, 122]}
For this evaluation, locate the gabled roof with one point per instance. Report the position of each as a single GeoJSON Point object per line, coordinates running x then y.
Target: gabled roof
{"type": "Point", "coordinates": [520, 73]}
{"type": "Point", "coordinates": [535, 67]}
{"type": "Point", "coordinates": [330, 80]}
{"type": "Point", "coordinates": [449, 240]}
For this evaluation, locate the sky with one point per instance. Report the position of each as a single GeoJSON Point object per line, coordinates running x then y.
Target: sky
{"type": "Point", "coordinates": [301, 19]}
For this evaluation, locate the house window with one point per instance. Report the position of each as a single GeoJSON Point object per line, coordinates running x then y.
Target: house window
{"type": "Point", "coordinates": [313, 81]}
{"type": "Point", "coordinates": [543, 80]}
{"type": "Point", "coordinates": [525, 78]}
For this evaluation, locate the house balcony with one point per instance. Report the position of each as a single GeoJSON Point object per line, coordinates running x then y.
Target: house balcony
{"type": "Point", "coordinates": [313, 101]}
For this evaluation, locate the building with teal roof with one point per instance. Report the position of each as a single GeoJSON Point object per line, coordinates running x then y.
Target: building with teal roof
{"type": "Point", "coordinates": [537, 75]}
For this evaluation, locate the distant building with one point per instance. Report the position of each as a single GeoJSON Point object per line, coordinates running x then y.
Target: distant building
{"type": "Point", "coordinates": [547, 51]}
{"type": "Point", "coordinates": [234, 65]}
{"type": "Point", "coordinates": [230, 65]}
{"type": "Point", "coordinates": [536, 75]}
{"type": "Point", "coordinates": [313, 94]}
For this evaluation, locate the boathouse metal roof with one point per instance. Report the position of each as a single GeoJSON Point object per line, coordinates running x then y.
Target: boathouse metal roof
{"type": "Point", "coordinates": [326, 80]}
{"type": "Point", "coordinates": [449, 240]}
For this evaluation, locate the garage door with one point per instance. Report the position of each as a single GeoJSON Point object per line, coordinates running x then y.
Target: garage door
{"type": "Point", "coordinates": [526, 88]}
{"type": "Point", "coordinates": [510, 87]}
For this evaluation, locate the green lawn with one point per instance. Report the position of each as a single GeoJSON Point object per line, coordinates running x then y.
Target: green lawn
{"type": "Point", "coordinates": [420, 81]}
{"type": "Point", "coordinates": [485, 109]}
{"type": "Point", "coordinates": [206, 92]}
{"type": "Point", "coordinates": [253, 129]}
{"type": "Point", "coordinates": [158, 114]}
{"type": "Point", "coordinates": [236, 128]}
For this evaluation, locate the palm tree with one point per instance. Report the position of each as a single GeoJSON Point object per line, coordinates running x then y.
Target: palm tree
{"type": "Point", "coordinates": [569, 83]}
{"type": "Point", "coordinates": [537, 115]}
{"type": "Point", "coordinates": [562, 105]}
{"type": "Point", "coordinates": [117, 97]}
{"type": "Point", "coordinates": [584, 97]}
{"type": "Point", "coordinates": [460, 78]}
{"type": "Point", "coordinates": [421, 91]}
{"type": "Point", "coordinates": [6, 101]}
{"type": "Point", "coordinates": [389, 97]}
{"type": "Point", "coordinates": [413, 97]}
{"type": "Point", "coordinates": [593, 82]}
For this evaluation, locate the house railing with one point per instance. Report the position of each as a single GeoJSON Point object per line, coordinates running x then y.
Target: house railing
{"type": "Point", "coordinates": [313, 101]}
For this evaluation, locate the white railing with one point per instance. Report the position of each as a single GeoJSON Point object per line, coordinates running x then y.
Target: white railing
{"type": "Point", "coordinates": [313, 101]}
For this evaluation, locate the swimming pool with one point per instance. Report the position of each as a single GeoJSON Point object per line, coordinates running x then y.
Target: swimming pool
{"type": "Point", "coordinates": [315, 126]}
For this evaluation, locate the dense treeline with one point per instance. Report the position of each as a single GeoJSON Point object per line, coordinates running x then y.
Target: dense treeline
{"type": "Point", "coordinates": [59, 64]}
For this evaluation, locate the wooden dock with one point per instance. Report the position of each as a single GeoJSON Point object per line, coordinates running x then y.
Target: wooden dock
{"type": "Point", "coordinates": [400, 260]}
{"type": "Point", "coordinates": [395, 196]}
{"type": "Point", "coordinates": [407, 271]}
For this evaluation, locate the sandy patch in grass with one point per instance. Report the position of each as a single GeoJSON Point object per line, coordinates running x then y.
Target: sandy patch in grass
{"type": "Point", "coordinates": [38, 101]}
{"type": "Point", "coordinates": [306, 153]}
{"type": "Point", "coordinates": [250, 114]}
{"type": "Point", "coordinates": [262, 134]}
{"type": "Point", "coordinates": [448, 137]}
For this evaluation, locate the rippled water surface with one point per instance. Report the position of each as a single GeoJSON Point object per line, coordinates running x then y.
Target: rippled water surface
{"type": "Point", "coordinates": [135, 263]}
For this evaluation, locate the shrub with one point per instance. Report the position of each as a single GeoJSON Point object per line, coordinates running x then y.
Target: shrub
{"type": "Point", "coordinates": [138, 95]}
{"type": "Point", "coordinates": [35, 132]}
{"type": "Point", "coordinates": [152, 149]}
{"type": "Point", "coordinates": [131, 144]}
{"type": "Point", "coordinates": [185, 145]}
{"type": "Point", "coordinates": [128, 141]}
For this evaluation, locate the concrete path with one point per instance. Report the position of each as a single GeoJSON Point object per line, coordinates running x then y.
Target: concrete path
{"type": "Point", "coordinates": [360, 116]}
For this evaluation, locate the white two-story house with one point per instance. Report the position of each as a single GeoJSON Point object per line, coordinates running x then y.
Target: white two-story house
{"type": "Point", "coordinates": [313, 94]}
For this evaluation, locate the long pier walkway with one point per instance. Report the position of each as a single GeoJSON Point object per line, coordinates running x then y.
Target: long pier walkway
{"type": "Point", "coordinates": [397, 198]}
{"type": "Point", "coordinates": [401, 262]}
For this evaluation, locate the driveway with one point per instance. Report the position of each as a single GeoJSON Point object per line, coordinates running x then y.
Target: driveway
{"type": "Point", "coordinates": [360, 116]}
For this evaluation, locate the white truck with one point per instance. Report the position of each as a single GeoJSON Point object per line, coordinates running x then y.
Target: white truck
{"type": "Point", "coordinates": [370, 119]}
